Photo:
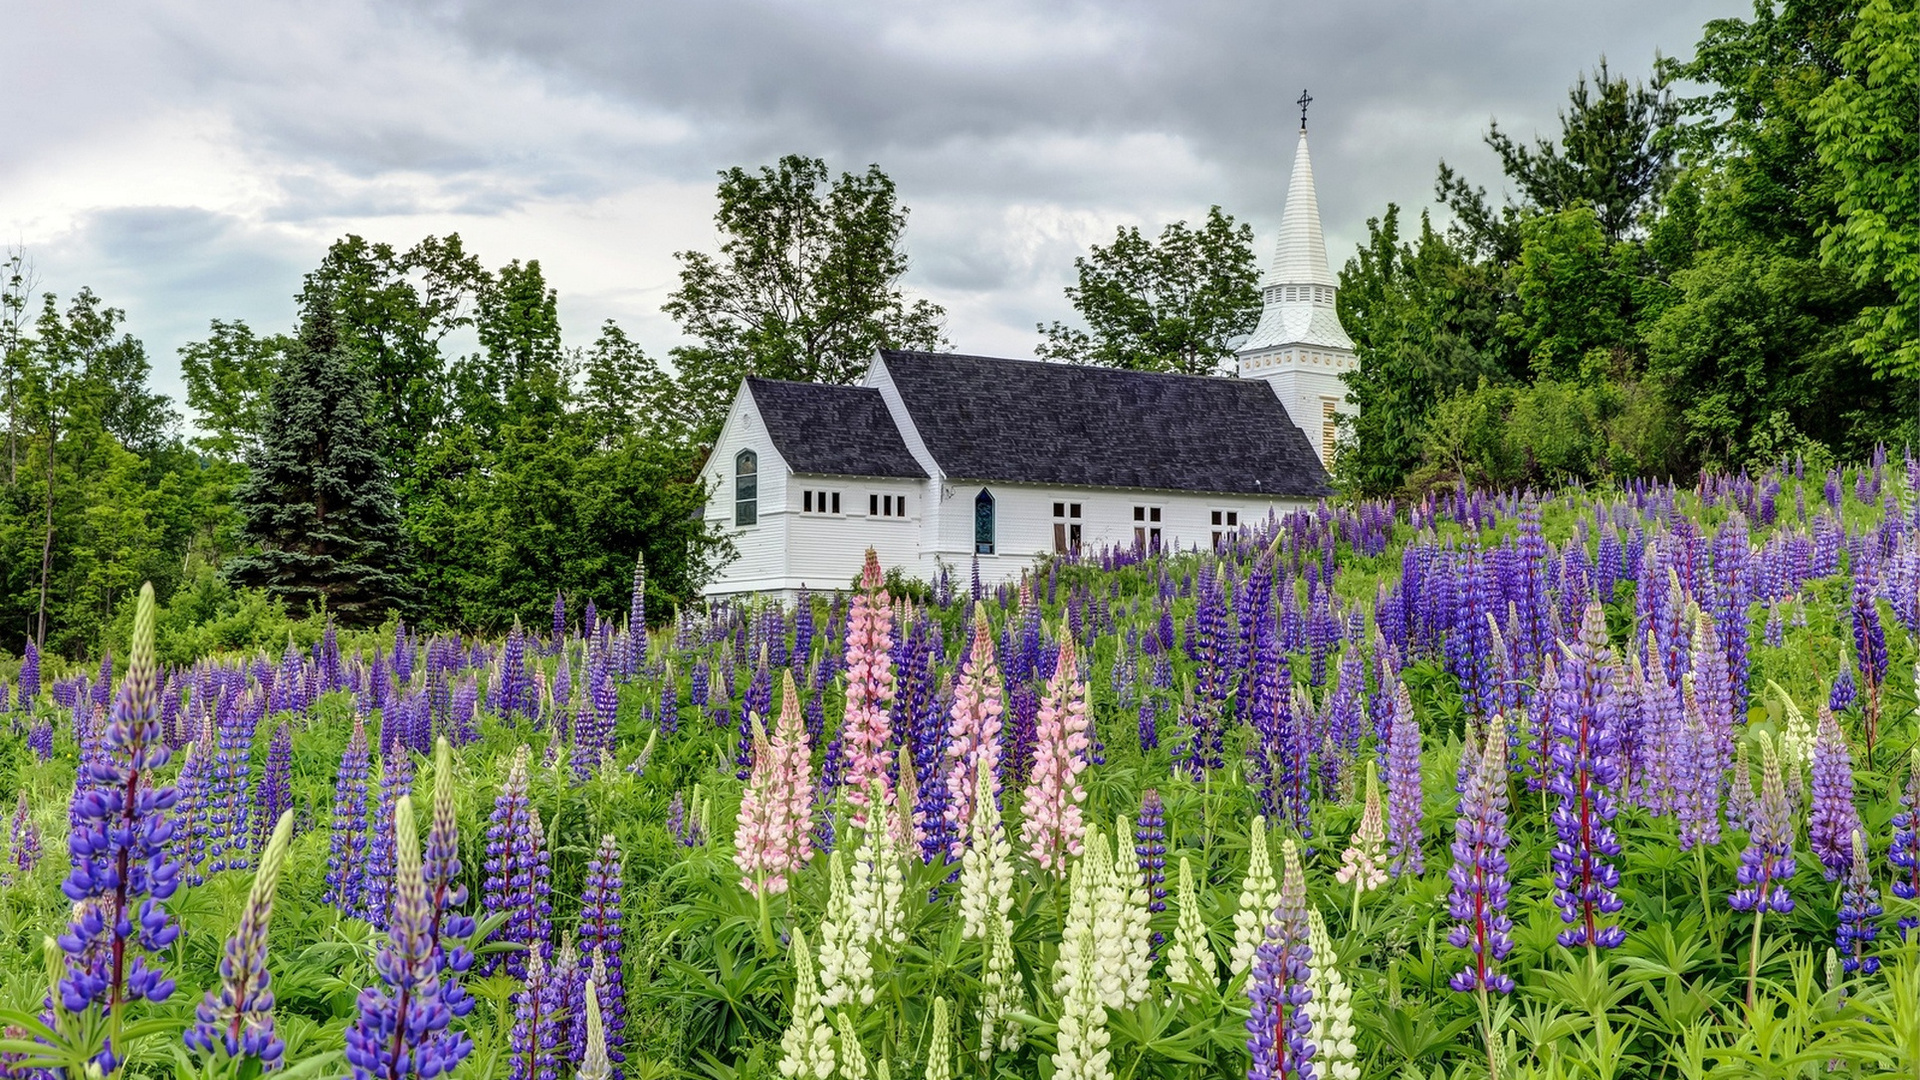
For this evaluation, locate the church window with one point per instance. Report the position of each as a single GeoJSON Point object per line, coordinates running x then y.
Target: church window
{"type": "Point", "coordinates": [1224, 521]}
{"type": "Point", "coordinates": [1066, 527]}
{"type": "Point", "coordinates": [746, 488]}
{"type": "Point", "coordinates": [1146, 528]}
{"type": "Point", "coordinates": [820, 502]}
{"type": "Point", "coordinates": [983, 522]}
{"type": "Point", "coordinates": [1329, 427]}
{"type": "Point", "coordinates": [886, 505]}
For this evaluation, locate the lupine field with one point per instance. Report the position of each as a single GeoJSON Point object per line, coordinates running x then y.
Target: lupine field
{"type": "Point", "coordinates": [1588, 784]}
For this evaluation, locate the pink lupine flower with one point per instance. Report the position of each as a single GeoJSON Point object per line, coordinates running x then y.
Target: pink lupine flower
{"type": "Point", "coordinates": [973, 735]}
{"type": "Point", "coordinates": [771, 835]}
{"type": "Point", "coordinates": [868, 726]}
{"type": "Point", "coordinates": [1051, 825]}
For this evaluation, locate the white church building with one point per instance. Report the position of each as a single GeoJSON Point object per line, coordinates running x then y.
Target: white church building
{"type": "Point", "coordinates": [943, 458]}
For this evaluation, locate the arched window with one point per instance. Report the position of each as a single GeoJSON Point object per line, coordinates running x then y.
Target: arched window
{"type": "Point", "coordinates": [983, 522]}
{"type": "Point", "coordinates": [746, 488]}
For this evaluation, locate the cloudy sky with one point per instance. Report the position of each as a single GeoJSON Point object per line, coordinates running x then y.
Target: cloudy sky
{"type": "Point", "coordinates": [189, 159]}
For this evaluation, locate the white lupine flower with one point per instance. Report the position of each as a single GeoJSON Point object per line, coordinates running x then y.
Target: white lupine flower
{"type": "Point", "coordinates": [1335, 1057]}
{"type": "Point", "coordinates": [806, 1048]}
{"type": "Point", "coordinates": [846, 964]}
{"type": "Point", "coordinates": [1137, 928]}
{"type": "Point", "coordinates": [1796, 735]}
{"type": "Point", "coordinates": [986, 867]}
{"type": "Point", "coordinates": [1109, 919]}
{"type": "Point", "coordinates": [594, 1064]}
{"type": "Point", "coordinates": [1081, 1046]}
{"type": "Point", "coordinates": [1001, 992]}
{"type": "Point", "coordinates": [1190, 961]}
{"type": "Point", "coordinates": [879, 879]}
{"type": "Point", "coordinates": [940, 1044]}
{"type": "Point", "coordinates": [1259, 896]}
{"type": "Point", "coordinates": [853, 1059]}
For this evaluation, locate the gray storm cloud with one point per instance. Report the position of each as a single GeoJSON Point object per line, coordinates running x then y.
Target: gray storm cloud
{"type": "Point", "coordinates": [189, 160]}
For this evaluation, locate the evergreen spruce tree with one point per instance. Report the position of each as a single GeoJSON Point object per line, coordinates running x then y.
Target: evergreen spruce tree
{"type": "Point", "coordinates": [317, 503]}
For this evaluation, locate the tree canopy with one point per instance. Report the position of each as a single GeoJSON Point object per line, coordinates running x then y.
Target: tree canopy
{"type": "Point", "coordinates": [1175, 304]}
{"type": "Point", "coordinates": [1716, 280]}
{"type": "Point", "coordinates": [806, 285]}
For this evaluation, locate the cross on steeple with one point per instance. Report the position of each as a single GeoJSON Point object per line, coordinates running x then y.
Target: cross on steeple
{"type": "Point", "coordinates": [1305, 100]}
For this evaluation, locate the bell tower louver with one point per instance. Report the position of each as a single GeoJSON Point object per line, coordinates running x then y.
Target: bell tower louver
{"type": "Point", "coordinates": [1299, 348]}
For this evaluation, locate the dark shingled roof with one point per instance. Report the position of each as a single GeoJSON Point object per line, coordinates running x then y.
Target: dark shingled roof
{"type": "Point", "coordinates": [1024, 421]}
{"type": "Point", "coordinates": [833, 430]}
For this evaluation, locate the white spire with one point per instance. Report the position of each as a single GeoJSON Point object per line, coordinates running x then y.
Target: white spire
{"type": "Point", "coordinates": [1298, 289]}
{"type": "Point", "coordinates": [1301, 256]}
{"type": "Point", "coordinates": [1300, 349]}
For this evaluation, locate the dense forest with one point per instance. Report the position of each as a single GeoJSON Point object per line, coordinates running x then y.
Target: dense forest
{"type": "Point", "coordinates": [1716, 265]}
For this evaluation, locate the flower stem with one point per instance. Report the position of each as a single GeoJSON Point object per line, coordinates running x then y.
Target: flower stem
{"type": "Point", "coordinates": [1486, 1026]}
{"type": "Point", "coordinates": [766, 916]}
{"type": "Point", "coordinates": [1753, 956]}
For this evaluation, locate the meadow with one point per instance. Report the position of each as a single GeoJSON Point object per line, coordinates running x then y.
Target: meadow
{"type": "Point", "coordinates": [1593, 783]}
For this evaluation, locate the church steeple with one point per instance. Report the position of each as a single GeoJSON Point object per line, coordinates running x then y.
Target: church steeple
{"type": "Point", "coordinates": [1299, 345]}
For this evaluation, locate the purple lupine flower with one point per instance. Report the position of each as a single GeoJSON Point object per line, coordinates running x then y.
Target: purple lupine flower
{"type": "Point", "coordinates": [461, 708]}
{"type": "Point", "coordinates": [29, 676]}
{"type": "Point", "coordinates": [530, 1048]}
{"type": "Point", "coordinates": [238, 1021]}
{"type": "Point", "coordinates": [399, 1029]}
{"type": "Point", "coordinates": [518, 874]}
{"type": "Point", "coordinates": [1279, 992]}
{"type": "Point", "coordinates": [559, 620]}
{"type": "Point", "coordinates": [274, 796]}
{"type": "Point", "coordinates": [396, 786]}
{"type": "Point", "coordinates": [1833, 820]}
{"type": "Point", "coordinates": [1694, 767]}
{"type": "Point", "coordinates": [1586, 758]}
{"type": "Point", "coordinates": [440, 871]}
{"type": "Point", "coordinates": [1859, 907]}
{"type": "Point", "coordinates": [230, 840]}
{"type": "Point", "coordinates": [1767, 862]}
{"type": "Point", "coordinates": [1844, 692]}
{"type": "Point", "coordinates": [1150, 848]}
{"type": "Point", "coordinates": [190, 813]}
{"type": "Point", "coordinates": [668, 714]}
{"type": "Point", "coordinates": [1535, 639]}
{"type": "Point", "coordinates": [40, 740]}
{"type": "Point", "coordinates": [1479, 900]}
{"type": "Point", "coordinates": [637, 615]}
{"type": "Point", "coordinates": [565, 993]}
{"type": "Point", "coordinates": [1732, 593]}
{"type": "Point", "coordinates": [677, 817]}
{"type": "Point", "coordinates": [1343, 722]}
{"type": "Point", "coordinates": [1404, 799]}
{"type": "Point", "coordinates": [1870, 651]}
{"type": "Point", "coordinates": [1904, 854]}
{"type": "Point", "coordinates": [121, 876]}
{"type": "Point", "coordinates": [24, 849]}
{"type": "Point", "coordinates": [1214, 662]}
{"type": "Point", "coordinates": [1149, 725]}
{"type": "Point", "coordinates": [758, 699]}
{"type": "Point", "coordinates": [601, 937]}
{"type": "Point", "coordinates": [347, 849]}
{"type": "Point", "coordinates": [802, 629]}
{"type": "Point", "coordinates": [1268, 691]}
